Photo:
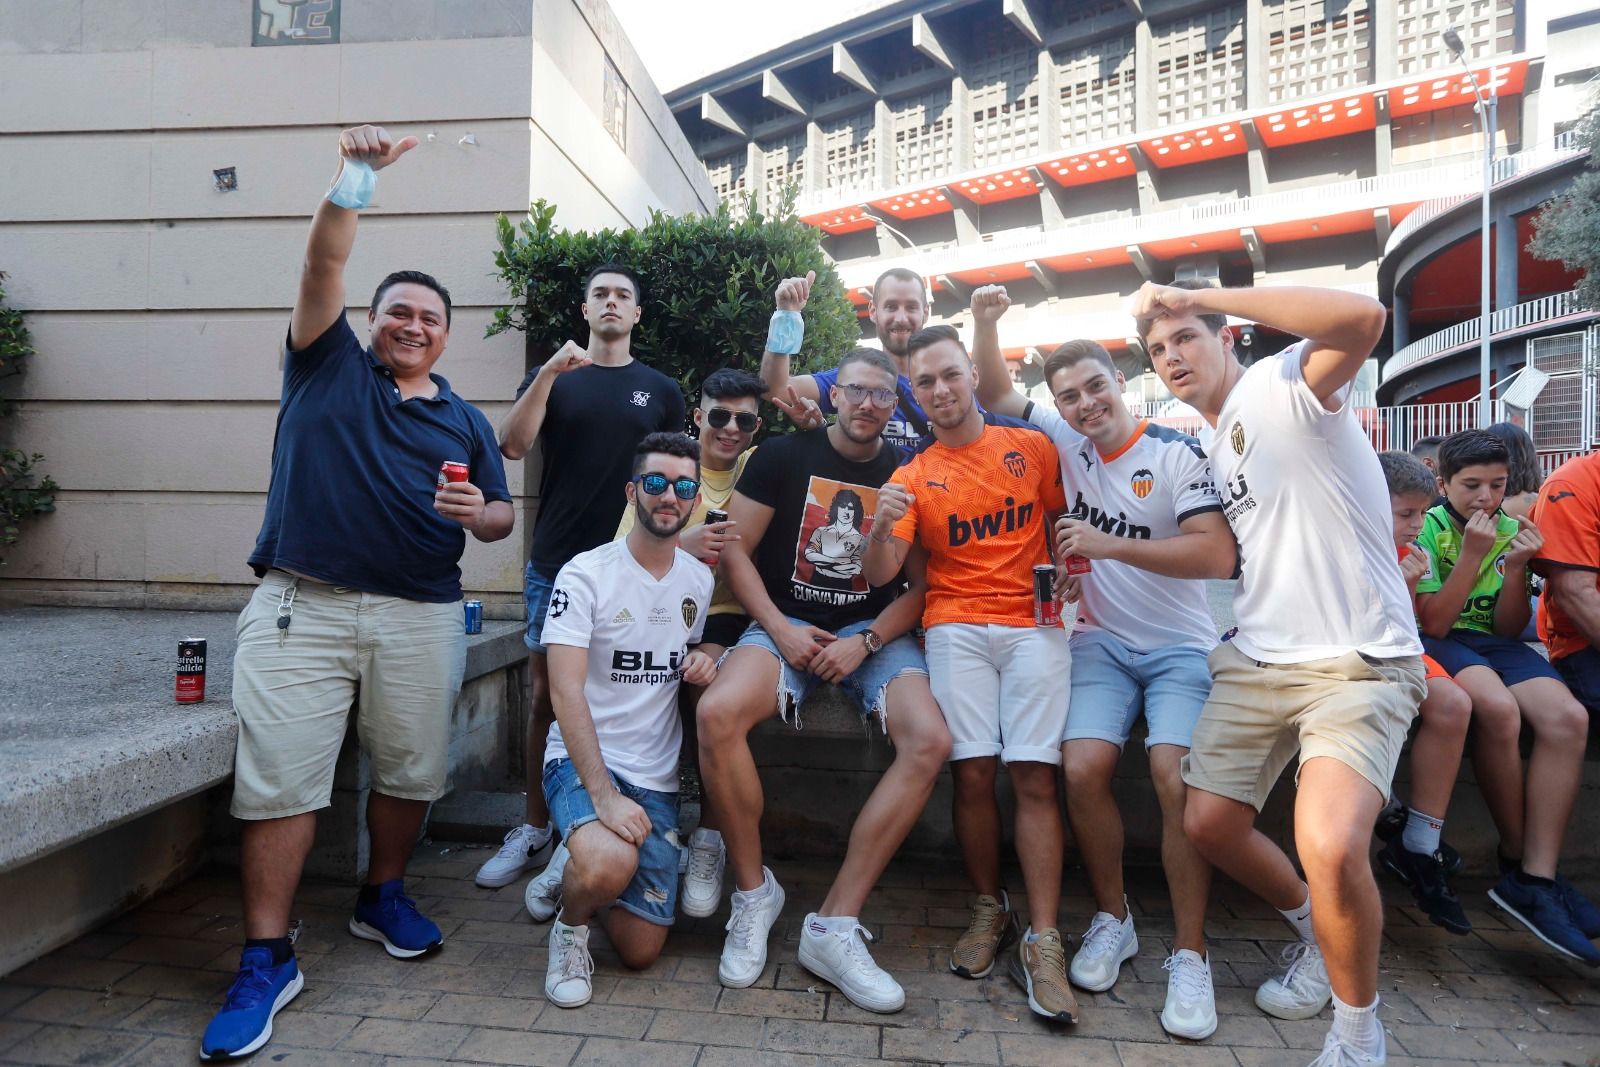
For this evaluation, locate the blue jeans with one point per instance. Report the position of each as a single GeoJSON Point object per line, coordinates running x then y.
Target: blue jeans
{"type": "Point", "coordinates": [536, 587]}
{"type": "Point", "coordinates": [652, 894]}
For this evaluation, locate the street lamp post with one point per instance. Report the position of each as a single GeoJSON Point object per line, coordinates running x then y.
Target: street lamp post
{"type": "Point", "coordinates": [1487, 107]}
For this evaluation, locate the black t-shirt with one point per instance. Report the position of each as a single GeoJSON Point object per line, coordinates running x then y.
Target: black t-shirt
{"type": "Point", "coordinates": [594, 419]}
{"type": "Point", "coordinates": [812, 556]}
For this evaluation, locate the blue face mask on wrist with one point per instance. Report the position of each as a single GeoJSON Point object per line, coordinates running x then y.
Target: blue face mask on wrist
{"type": "Point", "coordinates": [354, 186]}
{"type": "Point", "coordinates": [785, 333]}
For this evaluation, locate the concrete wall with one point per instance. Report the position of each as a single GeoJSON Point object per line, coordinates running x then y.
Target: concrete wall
{"type": "Point", "coordinates": [157, 303]}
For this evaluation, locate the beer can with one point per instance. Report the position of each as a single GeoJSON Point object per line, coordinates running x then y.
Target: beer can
{"type": "Point", "coordinates": [451, 471]}
{"type": "Point", "coordinates": [1078, 565]}
{"type": "Point", "coordinates": [715, 515]}
{"type": "Point", "coordinates": [191, 670]}
{"type": "Point", "coordinates": [473, 610]}
{"type": "Point", "coordinates": [1046, 611]}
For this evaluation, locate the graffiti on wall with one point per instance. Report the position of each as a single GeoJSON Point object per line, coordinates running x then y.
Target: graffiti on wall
{"type": "Point", "coordinates": [296, 22]}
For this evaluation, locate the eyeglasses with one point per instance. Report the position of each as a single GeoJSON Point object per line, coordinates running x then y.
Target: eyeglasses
{"type": "Point", "coordinates": [856, 394]}
{"type": "Point", "coordinates": [745, 420]}
{"type": "Point", "coordinates": [655, 483]}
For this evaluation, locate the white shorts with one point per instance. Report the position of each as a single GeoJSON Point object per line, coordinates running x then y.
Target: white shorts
{"type": "Point", "coordinates": [1003, 689]}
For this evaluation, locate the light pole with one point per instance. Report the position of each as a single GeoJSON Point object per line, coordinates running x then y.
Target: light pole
{"type": "Point", "coordinates": [1487, 108]}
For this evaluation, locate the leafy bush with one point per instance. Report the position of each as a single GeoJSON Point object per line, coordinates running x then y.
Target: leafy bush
{"type": "Point", "coordinates": [1569, 228]}
{"type": "Point", "coordinates": [20, 495]}
{"type": "Point", "coordinates": [708, 287]}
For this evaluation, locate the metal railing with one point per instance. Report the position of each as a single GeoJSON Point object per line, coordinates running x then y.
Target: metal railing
{"type": "Point", "coordinates": [1291, 205]}
{"type": "Point", "coordinates": [1562, 147]}
{"type": "Point", "coordinates": [1465, 334]}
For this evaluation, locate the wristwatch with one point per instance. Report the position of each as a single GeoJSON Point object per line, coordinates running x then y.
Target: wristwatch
{"type": "Point", "coordinates": [873, 642]}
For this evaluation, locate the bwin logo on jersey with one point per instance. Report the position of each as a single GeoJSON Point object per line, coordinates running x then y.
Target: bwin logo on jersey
{"type": "Point", "coordinates": [1012, 517]}
{"type": "Point", "coordinates": [1016, 464]}
{"type": "Point", "coordinates": [1143, 483]}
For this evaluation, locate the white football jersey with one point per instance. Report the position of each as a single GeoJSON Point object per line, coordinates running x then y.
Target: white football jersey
{"type": "Point", "coordinates": [1305, 494]}
{"type": "Point", "coordinates": [1145, 489]}
{"type": "Point", "coordinates": [637, 631]}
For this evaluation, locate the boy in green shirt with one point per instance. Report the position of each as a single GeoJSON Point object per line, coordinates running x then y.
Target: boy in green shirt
{"type": "Point", "coordinates": [1474, 552]}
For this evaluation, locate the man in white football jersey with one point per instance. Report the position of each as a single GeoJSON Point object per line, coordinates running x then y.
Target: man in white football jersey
{"type": "Point", "coordinates": [620, 621]}
{"type": "Point", "coordinates": [1142, 505]}
{"type": "Point", "coordinates": [1326, 660]}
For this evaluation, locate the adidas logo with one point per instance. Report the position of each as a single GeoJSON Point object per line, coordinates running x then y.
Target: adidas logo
{"type": "Point", "coordinates": [624, 616]}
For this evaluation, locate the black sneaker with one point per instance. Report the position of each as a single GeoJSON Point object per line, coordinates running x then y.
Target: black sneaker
{"type": "Point", "coordinates": [1391, 821]}
{"type": "Point", "coordinates": [1430, 885]}
{"type": "Point", "coordinates": [1451, 859]}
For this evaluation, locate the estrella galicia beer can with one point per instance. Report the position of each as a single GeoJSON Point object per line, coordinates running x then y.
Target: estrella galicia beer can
{"type": "Point", "coordinates": [474, 615]}
{"type": "Point", "coordinates": [451, 471]}
{"type": "Point", "coordinates": [1046, 611]}
{"type": "Point", "coordinates": [191, 670]}
{"type": "Point", "coordinates": [715, 515]}
{"type": "Point", "coordinates": [1078, 565]}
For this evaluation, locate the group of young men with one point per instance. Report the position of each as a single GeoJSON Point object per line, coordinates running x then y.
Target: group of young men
{"type": "Point", "coordinates": [936, 498]}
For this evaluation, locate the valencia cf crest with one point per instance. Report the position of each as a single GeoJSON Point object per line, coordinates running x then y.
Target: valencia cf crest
{"type": "Point", "coordinates": [690, 611]}
{"type": "Point", "coordinates": [1143, 482]}
{"type": "Point", "coordinates": [1236, 438]}
{"type": "Point", "coordinates": [1017, 465]}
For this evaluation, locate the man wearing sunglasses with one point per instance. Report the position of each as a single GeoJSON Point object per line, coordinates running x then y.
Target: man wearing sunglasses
{"type": "Point", "coordinates": [898, 308]}
{"type": "Point", "coordinates": [619, 626]}
{"type": "Point", "coordinates": [727, 422]}
{"type": "Point", "coordinates": [816, 624]}
{"type": "Point", "coordinates": [586, 408]}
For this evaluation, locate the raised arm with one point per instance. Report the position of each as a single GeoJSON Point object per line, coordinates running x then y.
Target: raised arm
{"type": "Point", "coordinates": [1342, 326]}
{"type": "Point", "coordinates": [791, 296]}
{"type": "Point", "coordinates": [333, 233]}
{"type": "Point", "coordinates": [886, 553]}
{"type": "Point", "coordinates": [995, 390]}
{"type": "Point", "coordinates": [520, 428]}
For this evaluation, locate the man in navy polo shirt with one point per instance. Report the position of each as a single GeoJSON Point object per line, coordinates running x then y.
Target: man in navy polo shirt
{"type": "Point", "coordinates": [360, 592]}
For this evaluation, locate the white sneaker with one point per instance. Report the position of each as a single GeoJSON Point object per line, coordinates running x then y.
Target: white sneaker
{"type": "Point", "coordinates": [566, 978]}
{"type": "Point", "coordinates": [744, 953]}
{"type": "Point", "coordinates": [542, 898]}
{"type": "Point", "coordinates": [1107, 944]}
{"type": "Point", "coordinates": [525, 846]}
{"type": "Point", "coordinates": [1191, 1009]}
{"type": "Point", "coordinates": [843, 959]}
{"type": "Point", "coordinates": [1303, 990]}
{"type": "Point", "coordinates": [1336, 1053]}
{"type": "Point", "coordinates": [702, 882]}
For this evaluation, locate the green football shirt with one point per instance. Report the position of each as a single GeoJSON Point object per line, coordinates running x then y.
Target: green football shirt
{"type": "Point", "coordinates": [1441, 540]}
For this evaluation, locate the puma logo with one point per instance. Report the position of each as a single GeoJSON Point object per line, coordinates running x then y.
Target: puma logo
{"type": "Point", "coordinates": [938, 485]}
{"type": "Point", "coordinates": [1088, 464]}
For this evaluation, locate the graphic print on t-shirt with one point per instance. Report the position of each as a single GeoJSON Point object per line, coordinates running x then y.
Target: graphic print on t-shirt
{"type": "Point", "coordinates": [832, 542]}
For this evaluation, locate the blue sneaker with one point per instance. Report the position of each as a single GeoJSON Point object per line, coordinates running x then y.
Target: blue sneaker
{"type": "Point", "coordinates": [258, 993]}
{"type": "Point", "coordinates": [1544, 911]}
{"type": "Point", "coordinates": [394, 922]}
{"type": "Point", "coordinates": [1584, 913]}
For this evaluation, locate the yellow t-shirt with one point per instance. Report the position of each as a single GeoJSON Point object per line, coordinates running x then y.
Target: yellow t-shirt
{"type": "Point", "coordinates": [716, 489]}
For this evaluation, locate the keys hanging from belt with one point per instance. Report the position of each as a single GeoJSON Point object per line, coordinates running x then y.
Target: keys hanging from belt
{"type": "Point", "coordinates": [286, 607]}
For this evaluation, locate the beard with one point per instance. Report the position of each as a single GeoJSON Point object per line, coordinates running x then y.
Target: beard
{"type": "Point", "coordinates": [854, 431]}
{"type": "Point", "coordinates": [647, 518]}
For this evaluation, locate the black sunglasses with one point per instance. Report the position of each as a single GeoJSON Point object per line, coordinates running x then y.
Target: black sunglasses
{"type": "Point", "coordinates": [655, 483]}
{"type": "Point", "coordinates": [745, 420]}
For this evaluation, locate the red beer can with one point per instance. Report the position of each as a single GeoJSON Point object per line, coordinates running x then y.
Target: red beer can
{"type": "Point", "coordinates": [191, 670]}
{"type": "Point", "coordinates": [451, 471]}
{"type": "Point", "coordinates": [1077, 564]}
{"type": "Point", "coordinates": [1046, 610]}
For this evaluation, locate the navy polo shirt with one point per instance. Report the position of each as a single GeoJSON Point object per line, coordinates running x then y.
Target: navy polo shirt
{"type": "Point", "coordinates": [354, 470]}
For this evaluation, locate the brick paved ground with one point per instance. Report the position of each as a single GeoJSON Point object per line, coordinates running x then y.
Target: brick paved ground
{"type": "Point", "coordinates": [141, 990]}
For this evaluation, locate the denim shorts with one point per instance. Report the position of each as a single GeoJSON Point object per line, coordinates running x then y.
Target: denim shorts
{"type": "Point", "coordinates": [652, 894]}
{"type": "Point", "coordinates": [867, 684]}
{"type": "Point", "coordinates": [1111, 684]}
{"type": "Point", "coordinates": [536, 587]}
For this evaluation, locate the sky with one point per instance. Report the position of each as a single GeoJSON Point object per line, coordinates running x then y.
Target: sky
{"type": "Point", "coordinates": [680, 40]}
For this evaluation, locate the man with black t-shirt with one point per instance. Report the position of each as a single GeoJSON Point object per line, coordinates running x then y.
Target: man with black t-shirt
{"type": "Point", "coordinates": [586, 408]}
{"type": "Point", "coordinates": [803, 510]}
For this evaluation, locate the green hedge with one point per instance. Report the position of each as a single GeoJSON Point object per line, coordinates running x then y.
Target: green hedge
{"type": "Point", "coordinates": [22, 494]}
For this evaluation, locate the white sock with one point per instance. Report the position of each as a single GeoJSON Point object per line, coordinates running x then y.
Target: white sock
{"type": "Point", "coordinates": [1359, 1027]}
{"type": "Point", "coordinates": [1300, 919]}
{"type": "Point", "coordinates": [836, 924]}
{"type": "Point", "coordinates": [1422, 832]}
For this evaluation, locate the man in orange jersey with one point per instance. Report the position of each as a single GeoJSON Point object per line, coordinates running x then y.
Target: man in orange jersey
{"type": "Point", "coordinates": [979, 499]}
